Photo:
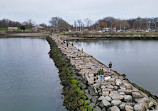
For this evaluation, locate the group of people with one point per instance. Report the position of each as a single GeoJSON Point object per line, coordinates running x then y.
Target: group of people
{"type": "Point", "coordinates": [101, 72]}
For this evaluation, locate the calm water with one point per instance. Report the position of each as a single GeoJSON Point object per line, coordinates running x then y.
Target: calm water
{"type": "Point", "coordinates": [138, 59]}
{"type": "Point", "coordinates": [28, 77]}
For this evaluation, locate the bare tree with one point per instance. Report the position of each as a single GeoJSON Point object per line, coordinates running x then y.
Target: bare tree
{"type": "Point", "coordinates": [79, 22]}
{"type": "Point", "coordinates": [75, 25]}
{"type": "Point", "coordinates": [29, 23]}
{"type": "Point", "coordinates": [88, 22]}
{"type": "Point", "coordinates": [59, 24]}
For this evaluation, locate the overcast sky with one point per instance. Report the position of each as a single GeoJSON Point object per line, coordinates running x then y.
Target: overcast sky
{"type": "Point", "coordinates": [41, 11]}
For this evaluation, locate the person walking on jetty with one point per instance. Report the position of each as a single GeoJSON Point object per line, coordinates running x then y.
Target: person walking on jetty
{"type": "Point", "coordinates": [64, 41]}
{"type": "Point", "coordinates": [110, 66]}
{"type": "Point", "coordinates": [101, 75]}
{"type": "Point", "coordinates": [67, 44]}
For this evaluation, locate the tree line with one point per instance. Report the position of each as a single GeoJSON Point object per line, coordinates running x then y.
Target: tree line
{"type": "Point", "coordinates": [57, 24]}
{"type": "Point", "coordinates": [108, 22]}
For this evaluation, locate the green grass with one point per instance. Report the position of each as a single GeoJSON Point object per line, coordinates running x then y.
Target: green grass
{"type": "Point", "coordinates": [3, 29]}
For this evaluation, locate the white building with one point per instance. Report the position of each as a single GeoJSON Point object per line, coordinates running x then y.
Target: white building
{"type": "Point", "coordinates": [12, 28]}
{"type": "Point", "coordinates": [37, 28]}
{"type": "Point", "coordinates": [106, 30]}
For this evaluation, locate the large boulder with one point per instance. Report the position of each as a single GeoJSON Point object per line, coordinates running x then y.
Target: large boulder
{"type": "Point", "coordinates": [140, 107]}
{"type": "Point", "coordinates": [128, 108]}
{"type": "Point", "coordinates": [114, 108]}
{"type": "Point", "coordinates": [92, 91]}
{"type": "Point", "coordinates": [136, 95]}
{"type": "Point", "coordinates": [118, 82]}
{"type": "Point", "coordinates": [115, 102]}
{"type": "Point", "coordinates": [94, 99]}
{"type": "Point", "coordinates": [115, 95]}
{"type": "Point", "coordinates": [105, 93]}
{"type": "Point", "coordinates": [97, 108]}
{"type": "Point", "coordinates": [127, 98]}
{"type": "Point", "coordinates": [128, 86]}
{"type": "Point", "coordinates": [106, 103]}
{"type": "Point", "coordinates": [108, 98]}
{"type": "Point", "coordinates": [122, 106]}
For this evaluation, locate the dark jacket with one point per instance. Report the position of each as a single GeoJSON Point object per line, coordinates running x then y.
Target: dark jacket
{"type": "Point", "coordinates": [110, 65]}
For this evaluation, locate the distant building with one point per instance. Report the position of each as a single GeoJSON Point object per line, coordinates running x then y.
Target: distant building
{"type": "Point", "coordinates": [12, 28]}
{"type": "Point", "coordinates": [37, 28]}
{"type": "Point", "coordinates": [106, 30]}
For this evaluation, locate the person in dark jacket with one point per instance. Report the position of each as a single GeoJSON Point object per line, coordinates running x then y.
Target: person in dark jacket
{"type": "Point", "coordinates": [67, 44]}
{"type": "Point", "coordinates": [110, 66]}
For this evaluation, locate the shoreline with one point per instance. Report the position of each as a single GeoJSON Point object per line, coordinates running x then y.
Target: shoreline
{"type": "Point", "coordinates": [24, 34]}
{"type": "Point", "coordinates": [131, 36]}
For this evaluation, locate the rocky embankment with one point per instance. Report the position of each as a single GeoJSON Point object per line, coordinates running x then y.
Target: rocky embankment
{"type": "Point", "coordinates": [114, 93]}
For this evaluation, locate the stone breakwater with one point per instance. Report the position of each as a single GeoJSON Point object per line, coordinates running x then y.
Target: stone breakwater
{"type": "Point", "coordinates": [115, 93]}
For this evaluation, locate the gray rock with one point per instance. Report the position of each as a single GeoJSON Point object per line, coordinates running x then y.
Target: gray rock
{"type": "Point", "coordinates": [94, 99]}
{"type": "Point", "coordinates": [140, 107]}
{"type": "Point", "coordinates": [83, 86]}
{"type": "Point", "coordinates": [114, 108]}
{"type": "Point", "coordinates": [105, 93]}
{"type": "Point", "coordinates": [128, 98]}
{"type": "Point", "coordinates": [128, 108]}
{"type": "Point", "coordinates": [86, 91]}
{"type": "Point", "coordinates": [128, 85]}
{"type": "Point", "coordinates": [103, 109]}
{"type": "Point", "coordinates": [101, 98]}
{"type": "Point", "coordinates": [88, 101]}
{"type": "Point", "coordinates": [121, 78]}
{"type": "Point", "coordinates": [122, 106]}
{"type": "Point", "coordinates": [116, 87]}
{"type": "Point", "coordinates": [89, 96]}
{"type": "Point", "coordinates": [101, 105]}
{"type": "Point", "coordinates": [92, 92]}
{"type": "Point", "coordinates": [142, 100]}
{"type": "Point", "coordinates": [108, 98]}
{"type": "Point", "coordinates": [103, 87]}
{"type": "Point", "coordinates": [110, 87]}
{"type": "Point", "coordinates": [136, 95]}
{"type": "Point", "coordinates": [106, 103]}
{"type": "Point", "coordinates": [118, 82]}
{"type": "Point", "coordinates": [130, 104]}
{"type": "Point", "coordinates": [115, 95]}
{"type": "Point", "coordinates": [92, 105]}
{"type": "Point", "coordinates": [97, 108]}
{"type": "Point", "coordinates": [115, 102]}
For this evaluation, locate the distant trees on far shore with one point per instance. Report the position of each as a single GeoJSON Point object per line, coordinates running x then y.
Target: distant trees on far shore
{"type": "Point", "coordinates": [57, 24]}
{"type": "Point", "coordinates": [5, 23]}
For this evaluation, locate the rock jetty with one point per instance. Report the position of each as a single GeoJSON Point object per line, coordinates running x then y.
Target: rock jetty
{"type": "Point", "coordinates": [114, 93]}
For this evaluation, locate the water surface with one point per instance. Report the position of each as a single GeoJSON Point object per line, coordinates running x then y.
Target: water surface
{"type": "Point", "coordinates": [28, 77]}
{"type": "Point", "coordinates": [138, 59]}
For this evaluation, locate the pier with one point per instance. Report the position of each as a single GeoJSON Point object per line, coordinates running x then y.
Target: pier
{"type": "Point", "coordinates": [114, 92]}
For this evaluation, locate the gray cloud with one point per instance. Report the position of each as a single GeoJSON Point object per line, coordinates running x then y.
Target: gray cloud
{"type": "Point", "coordinates": [70, 10]}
